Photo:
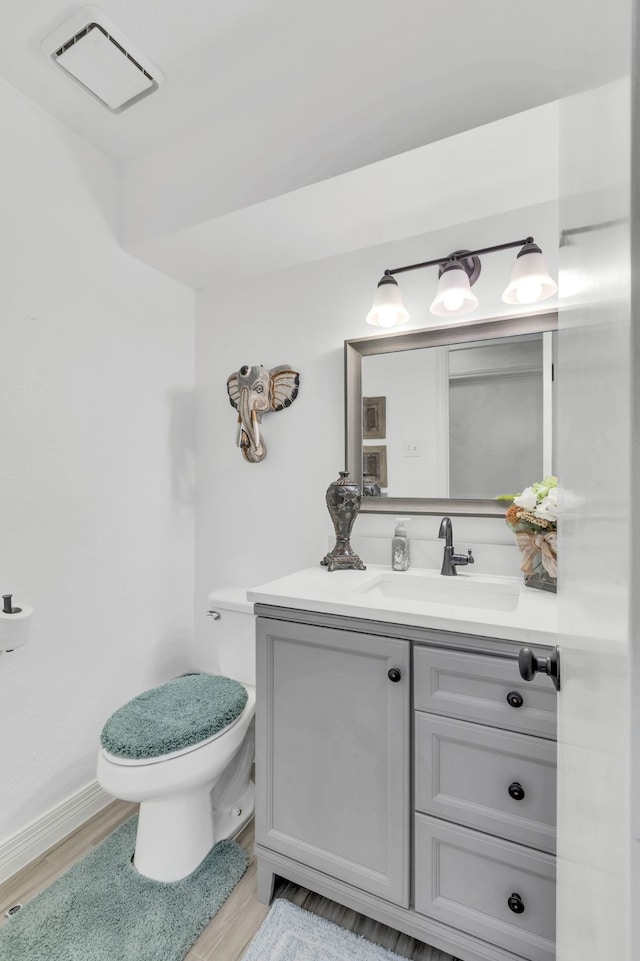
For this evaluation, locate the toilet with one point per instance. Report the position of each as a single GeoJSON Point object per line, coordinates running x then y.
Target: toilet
{"type": "Point", "coordinates": [185, 750]}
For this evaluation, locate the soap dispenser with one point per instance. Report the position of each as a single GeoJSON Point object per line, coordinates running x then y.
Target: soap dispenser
{"type": "Point", "coordinates": [400, 546]}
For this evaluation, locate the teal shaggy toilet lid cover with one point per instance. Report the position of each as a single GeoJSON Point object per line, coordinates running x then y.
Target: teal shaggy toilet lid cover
{"type": "Point", "coordinates": [174, 716]}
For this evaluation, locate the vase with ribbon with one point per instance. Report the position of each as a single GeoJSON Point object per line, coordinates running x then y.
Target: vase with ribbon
{"type": "Point", "coordinates": [539, 559]}
{"type": "Point", "coordinates": [533, 517]}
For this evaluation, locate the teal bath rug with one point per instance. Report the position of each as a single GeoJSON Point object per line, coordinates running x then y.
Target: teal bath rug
{"type": "Point", "coordinates": [288, 933]}
{"type": "Point", "coordinates": [103, 910]}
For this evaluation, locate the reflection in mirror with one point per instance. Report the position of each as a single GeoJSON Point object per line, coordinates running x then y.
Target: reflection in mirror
{"type": "Point", "coordinates": [464, 420]}
{"type": "Point", "coordinates": [468, 414]}
{"type": "Point", "coordinates": [496, 404]}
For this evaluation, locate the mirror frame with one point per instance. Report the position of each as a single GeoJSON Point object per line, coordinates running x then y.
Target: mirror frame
{"type": "Point", "coordinates": [441, 336]}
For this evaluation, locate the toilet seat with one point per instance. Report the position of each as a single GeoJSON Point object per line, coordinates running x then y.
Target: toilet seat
{"type": "Point", "coordinates": [180, 714]}
{"type": "Point", "coordinates": [145, 762]}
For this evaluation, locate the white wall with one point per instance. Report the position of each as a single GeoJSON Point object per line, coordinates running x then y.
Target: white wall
{"type": "Point", "coordinates": [260, 521]}
{"type": "Point", "coordinates": [599, 573]}
{"type": "Point", "coordinates": [96, 462]}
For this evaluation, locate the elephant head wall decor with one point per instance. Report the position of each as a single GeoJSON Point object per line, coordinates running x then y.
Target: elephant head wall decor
{"type": "Point", "coordinates": [255, 391]}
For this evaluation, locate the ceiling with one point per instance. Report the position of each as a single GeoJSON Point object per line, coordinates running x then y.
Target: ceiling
{"type": "Point", "coordinates": [266, 97]}
{"type": "Point", "coordinates": [387, 77]}
{"type": "Point", "coordinates": [425, 189]}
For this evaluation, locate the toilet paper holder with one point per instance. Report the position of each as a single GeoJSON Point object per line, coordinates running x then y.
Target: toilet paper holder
{"type": "Point", "coordinates": [7, 606]}
{"type": "Point", "coordinates": [14, 624]}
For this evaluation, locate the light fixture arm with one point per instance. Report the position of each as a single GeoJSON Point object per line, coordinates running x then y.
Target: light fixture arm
{"type": "Point", "coordinates": [467, 254]}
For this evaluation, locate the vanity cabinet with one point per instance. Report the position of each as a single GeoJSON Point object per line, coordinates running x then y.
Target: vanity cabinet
{"type": "Point", "coordinates": [485, 759]}
{"type": "Point", "coordinates": [408, 773]}
{"type": "Point", "coordinates": [332, 757]}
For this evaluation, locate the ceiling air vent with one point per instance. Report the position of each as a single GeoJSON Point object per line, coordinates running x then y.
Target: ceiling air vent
{"type": "Point", "coordinates": [100, 59]}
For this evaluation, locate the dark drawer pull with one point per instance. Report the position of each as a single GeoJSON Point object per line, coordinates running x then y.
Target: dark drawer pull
{"type": "Point", "coordinates": [394, 675]}
{"type": "Point", "coordinates": [515, 699]}
{"type": "Point", "coordinates": [516, 791]}
{"type": "Point", "coordinates": [516, 904]}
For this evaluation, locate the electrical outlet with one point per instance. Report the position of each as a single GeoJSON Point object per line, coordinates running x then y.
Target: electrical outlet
{"type": "Point", "coordinates": [410, 448]}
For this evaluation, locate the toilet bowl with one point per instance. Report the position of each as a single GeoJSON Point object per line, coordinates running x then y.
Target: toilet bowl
{"type": "Point", "coordinates": [194, 796]}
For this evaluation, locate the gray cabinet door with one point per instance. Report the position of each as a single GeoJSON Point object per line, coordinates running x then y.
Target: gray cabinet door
{"type": "Point", "coordinates": [332, 753]}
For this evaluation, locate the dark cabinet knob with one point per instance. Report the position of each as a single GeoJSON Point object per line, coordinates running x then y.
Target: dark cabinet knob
{"type": "Point", "coordinates": [515, 699]}
{"type": "Point", "coordinates": [516, 904]}
{"type": "Point", "coordinates": [529, 665]}
{"type": "Point", "coordinates": [394, 675]}
{"type": "Point", "coordinates": [516, 791]}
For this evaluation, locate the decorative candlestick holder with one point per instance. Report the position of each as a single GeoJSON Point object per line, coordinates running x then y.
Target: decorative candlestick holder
{"type": "Point", "coordinates": [343, 503]}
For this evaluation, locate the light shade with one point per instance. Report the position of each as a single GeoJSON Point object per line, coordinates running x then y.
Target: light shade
{"type": "Point", "coordinates": [454, 296]}
{"type": "Point", "coordinates": [530, 278]}
{"type": "Point", "coordinates": [388, 309]}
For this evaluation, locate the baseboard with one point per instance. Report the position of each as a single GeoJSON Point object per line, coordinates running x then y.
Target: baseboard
{"type": "Point", "coordinates": [42, 833]}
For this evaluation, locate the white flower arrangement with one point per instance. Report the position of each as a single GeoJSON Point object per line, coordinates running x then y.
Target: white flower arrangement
{"type": "Point", "coordinates": [536, 508]}
{"type": "Point", "coordinates": [533, 516]}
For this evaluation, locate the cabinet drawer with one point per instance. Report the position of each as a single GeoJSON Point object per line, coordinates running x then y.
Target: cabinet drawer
{"type": "Point", "coordinates": [475, 687]}
{"type": "Point", "coordinates": [465, 879]}
{"type": "Point", "coordinates": [464, 773]}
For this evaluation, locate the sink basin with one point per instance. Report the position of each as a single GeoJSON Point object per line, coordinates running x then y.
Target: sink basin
{"type": "Point", "coordinates": [463, 590]}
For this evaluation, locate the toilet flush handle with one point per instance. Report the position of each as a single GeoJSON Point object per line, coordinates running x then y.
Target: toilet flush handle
{"type": "Point", "coordinates": [214, 614]}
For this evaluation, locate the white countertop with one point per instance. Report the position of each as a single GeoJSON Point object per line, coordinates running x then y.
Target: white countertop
{"type": "Point", "coordinates": [464, 605]}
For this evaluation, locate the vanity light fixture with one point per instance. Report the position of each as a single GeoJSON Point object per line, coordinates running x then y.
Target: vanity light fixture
{"type": "Point", "coordinates": [388, 309]}
{"type": "Point", "coordinates": [530, 279]}
{"type": "Point", "coordinates": [530, 282]}
{"type": "Point", "coordinates": [454, 294]}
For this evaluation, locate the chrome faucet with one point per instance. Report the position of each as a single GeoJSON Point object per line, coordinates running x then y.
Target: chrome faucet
{"type": "Point", "coordinates": [451, 560]}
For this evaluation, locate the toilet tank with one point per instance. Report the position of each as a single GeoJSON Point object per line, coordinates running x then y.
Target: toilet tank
{"type": "Point", "coordinates": [233, 642]}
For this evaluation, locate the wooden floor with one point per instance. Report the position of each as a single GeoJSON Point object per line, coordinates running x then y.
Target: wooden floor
{"type": "Point", "coordinates": [227, 935]}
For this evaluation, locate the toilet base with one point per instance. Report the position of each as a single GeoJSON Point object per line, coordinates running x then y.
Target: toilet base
{"type": "Point", "coordinates": [227, 823]}
{"type": "Point", "coordinates": [189, 828]}
{"type": "Point", "coordinates": [177, 831]}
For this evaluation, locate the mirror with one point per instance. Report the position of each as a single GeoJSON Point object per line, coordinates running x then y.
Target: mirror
{"type": "Point", "coordinates": [445, 419]}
